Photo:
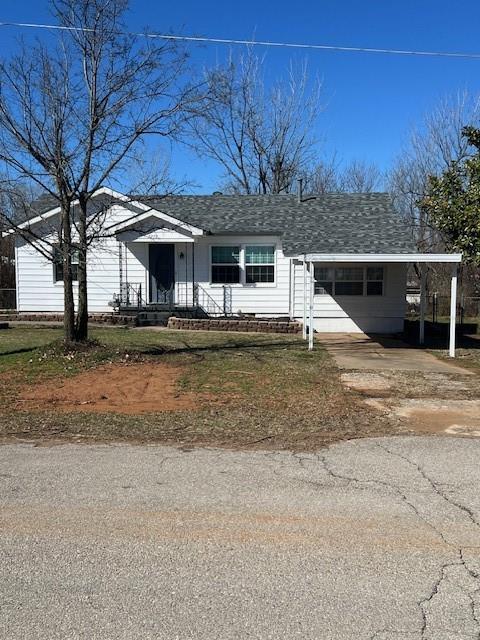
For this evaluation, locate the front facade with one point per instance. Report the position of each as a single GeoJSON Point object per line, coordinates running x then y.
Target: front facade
{"type": "Point", "coordinates": [340, 259]}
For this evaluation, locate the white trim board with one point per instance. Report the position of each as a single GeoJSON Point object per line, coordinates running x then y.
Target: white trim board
{"type": "Point", "coordinates": [380, 257]}
{"type": "Point", "coordinates": [147, 210]}
{"type": "Point", "coordinates": [159, 215]}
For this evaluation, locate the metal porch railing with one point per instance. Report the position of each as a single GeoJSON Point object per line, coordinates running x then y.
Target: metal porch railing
{"type": "Point", "coordinates": [194, 295]}
{"type": "Point", "coordinates": [183, 294]}
{"type": "Point", "coordinates": [130, 296]}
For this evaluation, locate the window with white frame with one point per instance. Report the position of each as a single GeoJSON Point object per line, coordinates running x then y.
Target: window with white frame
{"type": "Point", "coordinates": [259, 263]}
{"type": "Point", "coordinates": [225, 265]}
{"type": "Point", "coordinates": [324, 279]}
{"type": "Point", "coordinates": [58, 264]}
{"type": "Point", "coordinates": [374, 281]}
{"type": "Point", "coordinates": [243, 264]}
{"type": "Point", "coordinates": [349, 281]}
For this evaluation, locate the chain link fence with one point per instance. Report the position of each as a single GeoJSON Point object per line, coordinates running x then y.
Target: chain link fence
{"type": "Point", "coordinates": [8, 299]}
{"type": "Point", "coordinates": [437, 309]}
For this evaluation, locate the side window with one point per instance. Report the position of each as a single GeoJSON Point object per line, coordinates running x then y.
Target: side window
{"type": "Point", "coordinates": [375, 278]}
{"type": "Point", "coordinates": [225, 265]}
{"type": "Point", "coordinates": [324, 277]}
{"type": "Point", "coordinates": [58, 264]}
{"type": "Point", "coordinates": [259, 264]}
{"type": "Point", "coordinates": [349, 281]}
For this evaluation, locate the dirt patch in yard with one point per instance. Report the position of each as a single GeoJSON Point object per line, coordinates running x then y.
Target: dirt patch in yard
{"type": "Point", "coordinates": [422, 415]}
{"type": "Point", "coordinates": [366, 382]}
{"type": "Point", "coordinates": [129, 389]}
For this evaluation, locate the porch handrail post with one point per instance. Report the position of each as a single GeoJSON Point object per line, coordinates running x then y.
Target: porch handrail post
{"type": "Point", "coordinates": [310, 324]}
{"type": "Point", "coordinates": [195, 294]}
{"type": "Point", "coordinates": [304, 329]}
{"type": "Point", "coordinates": [423, 290]}
{"type": "Point", "coordinates": [453, 311]}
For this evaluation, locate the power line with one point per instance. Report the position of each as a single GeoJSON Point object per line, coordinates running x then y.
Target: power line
{"type": "Point", "coordinates": [262, 43]}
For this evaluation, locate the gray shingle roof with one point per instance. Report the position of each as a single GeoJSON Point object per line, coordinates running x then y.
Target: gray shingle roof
{"type": "Point", "coordinates": [330, 223]}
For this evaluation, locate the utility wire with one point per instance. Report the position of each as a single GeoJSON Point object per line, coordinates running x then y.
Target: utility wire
{"type": "Point", "coordinates": [262, 43]}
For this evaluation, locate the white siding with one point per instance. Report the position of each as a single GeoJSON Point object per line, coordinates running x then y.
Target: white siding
{"type": "Point", "coordinates": [375, 314]}
{"type": "Point", "coordinates": [36, 289]}
{"type": "Point", "coordinates": [261, 299]}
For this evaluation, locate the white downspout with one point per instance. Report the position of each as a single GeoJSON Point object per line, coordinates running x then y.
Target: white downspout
{"type": "Point", "coordinates": [453, 311]}
{"type": "Point", "coordinates": [423, 291]}
{"type": "Point", "coordinates": [310, 324]}
{"type": "Point", "coordinates": [304, 329]}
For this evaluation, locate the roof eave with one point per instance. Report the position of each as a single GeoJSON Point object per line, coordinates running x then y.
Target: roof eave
{"type": "Point", "coordinates": [380, 257]}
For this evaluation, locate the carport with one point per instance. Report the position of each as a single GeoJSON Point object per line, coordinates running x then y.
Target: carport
{"type": "Point", "coordinates": [309, 261]}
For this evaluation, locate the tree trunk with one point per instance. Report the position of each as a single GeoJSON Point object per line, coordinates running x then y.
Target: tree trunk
{"type": "Point", "coordinates": [68, 299]}
{"type": "Point", "coordinates": [81, 327]}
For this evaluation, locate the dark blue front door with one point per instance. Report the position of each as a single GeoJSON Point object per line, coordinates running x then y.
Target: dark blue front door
{"type": "Point", "coordinates": [162, 272]}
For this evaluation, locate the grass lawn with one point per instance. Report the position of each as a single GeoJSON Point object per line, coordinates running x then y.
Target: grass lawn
{"type": "Point", "coordinates": [467, 352]}
{"type": "Point", "coordinates": [253, 389]}
{"type": "Point", "coordinates": [466, 357]}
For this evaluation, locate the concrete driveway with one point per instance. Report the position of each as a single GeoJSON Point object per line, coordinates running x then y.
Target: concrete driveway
{"type": "Point", "coordinates": [370, 539]}
{"type": "Point", "coordinates": [360, 351]}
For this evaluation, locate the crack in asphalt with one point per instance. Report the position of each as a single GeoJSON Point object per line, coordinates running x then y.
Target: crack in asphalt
{"type": "Point", "coordinates": [434, 486]}
{"type": "Point", "coordinates": [461, 561]}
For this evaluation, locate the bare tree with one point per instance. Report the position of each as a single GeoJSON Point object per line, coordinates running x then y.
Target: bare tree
{"type": "Point", "coordinates": [262, 137]}
{"type": "Point", "coordinates": [72, 117]}
{"type": "Point", "coordinates": [430, 149]}
{"type": "Point", "coordinates": [358, 176]}
{"type": "Point", "coordinates": [324, 177]}
{"type": "Point", "coordinates": [7, 266]}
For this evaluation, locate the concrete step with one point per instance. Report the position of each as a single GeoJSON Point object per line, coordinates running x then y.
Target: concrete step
{"type": "Point", "coordinates": [160, 318]}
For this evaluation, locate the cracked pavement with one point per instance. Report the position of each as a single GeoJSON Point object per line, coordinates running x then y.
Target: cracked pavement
{"type": "Point", "coordinates": [369, 539]}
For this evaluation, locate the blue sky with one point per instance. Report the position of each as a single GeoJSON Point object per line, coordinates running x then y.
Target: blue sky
{"type": "Point", "coordinates": [371, 101]}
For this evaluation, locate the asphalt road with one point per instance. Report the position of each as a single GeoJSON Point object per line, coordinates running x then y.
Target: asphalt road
{"type": "Point", "coordinates": [371, 539]}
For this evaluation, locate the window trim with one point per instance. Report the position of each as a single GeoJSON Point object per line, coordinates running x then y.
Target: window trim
{"type": "Point", "coordinates": [226, 264]}
{"type": "Point", "coordinates": [368, 280]}
{"type": "Point", "coordinates": [242, 264]}
{"type": "Point", "coordinates": [365, 280]}
{"type": "Point", "coordinates": [260, 264]}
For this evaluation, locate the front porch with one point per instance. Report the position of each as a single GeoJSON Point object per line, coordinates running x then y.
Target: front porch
{"type": "Point", "coordinates": [180, 298]}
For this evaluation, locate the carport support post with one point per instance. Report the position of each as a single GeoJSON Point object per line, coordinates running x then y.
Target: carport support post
{"type": "Point", "coordinates": [310, 308]}
{"type": "Point", "coordinates": [453, 311]}
{"type": "Point", "coordinates": [423, 292]}
{"type": "Point", "coordinates": [304, 328]}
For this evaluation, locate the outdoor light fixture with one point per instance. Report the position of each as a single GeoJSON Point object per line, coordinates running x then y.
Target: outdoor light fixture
{"type": "Point", "coordinates": [181, 255]}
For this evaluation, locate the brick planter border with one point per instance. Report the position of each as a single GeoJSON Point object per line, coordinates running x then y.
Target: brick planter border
{"type": "Point", "coordinates": [95, 318]}
{"type": "Point", "coordinates": [251, 326]}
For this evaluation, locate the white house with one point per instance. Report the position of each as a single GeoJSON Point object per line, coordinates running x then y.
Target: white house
{"type": "Point", "coordinates": [337, 262]}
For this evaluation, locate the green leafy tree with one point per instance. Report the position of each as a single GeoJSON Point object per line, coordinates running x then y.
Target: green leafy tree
{"type": "Point", "coordinates": [452, 201]}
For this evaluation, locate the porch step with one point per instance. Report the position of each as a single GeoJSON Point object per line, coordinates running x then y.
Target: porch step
{"type": "Point", "coordinates": [153, 318]}
{"type": "Point", "coordinates": [149, 318]}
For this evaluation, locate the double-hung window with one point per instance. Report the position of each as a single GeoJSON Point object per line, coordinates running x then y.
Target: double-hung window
{"type": "Point", "coordinates": [225, 265]}
{"type": "Point", "coordinates": [349, 281]}
{"type": "Point", "coordinates": [259, 263]}
{"type": "Point", "coordinates": [243, 264]}
{"type": "Point", "coordinates": [374, 281]}
{"type": "Point", "coordinates": [324, 279]}
{"type": "Point", "coordinates": [58, 264]}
